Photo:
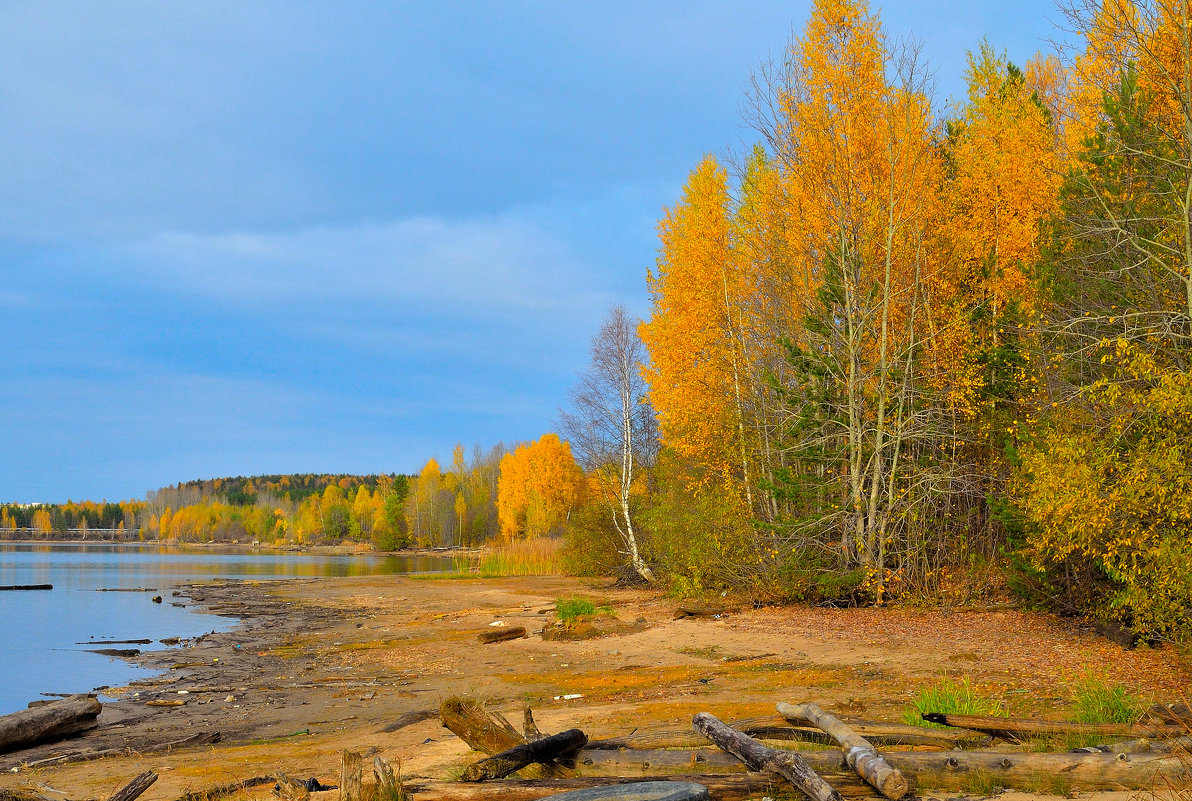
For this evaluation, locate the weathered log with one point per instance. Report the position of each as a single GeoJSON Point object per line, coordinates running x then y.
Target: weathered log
{"type": "Point", "coordinates": [203, 738]}
{"type": "Point", "coordinates": [529, 727]}
{"type": "Point", "coordinates": [487, 732]}
{"type": "Point", "coordinates": [1144, 745]}
{"type": "Point", "coordinates": [545, 750]}
{"type": "Point", "coordinates": [758, 757]}
{"type": "Point", "coordinates": [135, 788]}
{"type": "Point", "coordinates": [19, 587]}
{"type": "Point", "coordinates": [502, 634]}
{"type": "Point", "coordinates": [222, 790]}
{"type": "Point", "coordinates": [1015, 728]}
{"type": "Point", "coordinates": [775, 727]}
{"type": "Point", "coordinates": [410, 718]}
{"type": "Point", "coordinates": [721, 788]}
{"type": "Point", "coordinates": [48, 723]}
{"type": "Point", "coordinates": [858, 753]}
{"type": "Point", "coordinates": [468, 721]}
{"type": "Point", "coordinates": [925, 769]}
{"type": "Point", "coordinates": [351, 776]}
{"type": "Point", "coordinates": [388, 780]}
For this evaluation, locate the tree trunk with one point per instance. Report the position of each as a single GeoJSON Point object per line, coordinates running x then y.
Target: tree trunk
{"type": "Point", "coordinates": [48, 723]}
{"type": "Point", "coordinates": [351, 776]}
{"type": "Point", "coordinates": [758, 757]}
{"type": "Point", "coordinates": [545, 750]}
{"type": "Point", "coordinates": [858, 753]}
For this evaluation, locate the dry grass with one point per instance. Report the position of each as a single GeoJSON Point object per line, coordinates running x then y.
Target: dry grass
{"type": "Point", "coordinates": [537, 557]}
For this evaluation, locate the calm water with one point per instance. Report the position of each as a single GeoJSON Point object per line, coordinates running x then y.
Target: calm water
{"type": "Point", "coordinates": [39, 630]}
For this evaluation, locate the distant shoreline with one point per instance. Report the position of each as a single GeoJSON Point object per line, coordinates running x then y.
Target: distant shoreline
{"type": "Point", "coordinates": [346, 549]}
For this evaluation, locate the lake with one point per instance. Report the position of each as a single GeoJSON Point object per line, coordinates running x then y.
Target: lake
{"type": "Point", "coordinates": [40, 631]}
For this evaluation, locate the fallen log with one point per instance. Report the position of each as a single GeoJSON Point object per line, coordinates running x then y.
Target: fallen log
{"type": "Point", "coordinates": [485, 731]}
{"type": "Point", "coordinates": [48, 723]}
{"type": "Point", "coordinates": [502, 634]}
{"type": "Point", "coordinates": [775, 727]}
{"type": "Point", "coordinates": [205, 738]}
{"type": "Point", "coordinates": [721, 788]}
{"type": "Point", "coordinates": [410, 718]}
{"type": "Point", "coordinates": [19, 587]}
{"type": "Point", "coordinates": [223, 790]}
{"type": "Point", "coordinates": [135, 788]}
{"type": "Point", "coordinates": [468, 721]}
{"type": "Point", "coordinates": [758, 757]}
{"type": "Point", "coordinates": [1144, 745]}
{"type": "Point", "coordinates": [924, 769]}
{"type": "Point", "coordinates": [1016, 728]}
{"type": "Point", "coordinates": [545, 750]}
{"type": "Point", "coordinates": [858, 753]}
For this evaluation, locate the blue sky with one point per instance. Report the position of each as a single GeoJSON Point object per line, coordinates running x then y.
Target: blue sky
{"type": "Point", "coordinates": [262, 237]}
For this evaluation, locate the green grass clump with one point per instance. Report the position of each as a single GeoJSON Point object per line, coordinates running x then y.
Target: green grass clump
{"type": "Point", "coordinates": [570, 610]}
{"type": "Point", "coordinates": [1097, 701]}
{"type": "Point", "coordinates": [950, 697]}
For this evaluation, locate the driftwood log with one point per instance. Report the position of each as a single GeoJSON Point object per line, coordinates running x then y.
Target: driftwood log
{"type": "Point", "coordinates": [544, 750]}
{"type": "Point", "coordinates": [723, 788]}
{"type": "Point", "coordinates": [203, 738]}
{"type": "Point", "coordinates": [481, 730]}
{"type": "Point", "coordinates": [48, 723]}
{"type": "Point", "coordinates": [135, 788]}
{"type": "Point", "coordinates": [942, 770]}
{"type": "Point", "coordinates": [223, 790]}
{"type": "Point", "coordinates": [858, 753]}
{"type": "Point", "coordinates": [489, 732]}
{"type": "Point", "coordinates": [759, 757]}
{"type": "Point", "coordinates": [1016, 728]}
{"type": "Point", "coordinates": [775, 727]}
{"type": "Point", "coordinates": [502, 634]}
{"type": "Point", "coordinates": [410, 718]}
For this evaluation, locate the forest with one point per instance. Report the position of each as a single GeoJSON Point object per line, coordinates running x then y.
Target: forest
{"type": "Point", "coordinates": [895, 351]}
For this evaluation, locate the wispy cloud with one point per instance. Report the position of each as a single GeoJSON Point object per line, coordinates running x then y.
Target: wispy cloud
{"type": "Point", "coordinates": [501, 264]}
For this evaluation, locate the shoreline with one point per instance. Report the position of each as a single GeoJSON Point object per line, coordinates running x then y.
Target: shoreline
{"type": "Point", "coordinates": [319, 665]}
{"type": "Point", "coordinates": [342, 549]}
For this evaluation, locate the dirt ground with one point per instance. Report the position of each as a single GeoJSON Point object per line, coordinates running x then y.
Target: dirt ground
{"type": "Point", "coordinates": [317, 666]}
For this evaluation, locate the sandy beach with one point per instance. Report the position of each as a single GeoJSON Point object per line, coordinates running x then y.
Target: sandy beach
{"type": "Point", "coordinates": [316, 666]}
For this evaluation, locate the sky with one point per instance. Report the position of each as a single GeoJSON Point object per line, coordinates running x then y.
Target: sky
{"type": "Point", "coordinates": [240, 238]}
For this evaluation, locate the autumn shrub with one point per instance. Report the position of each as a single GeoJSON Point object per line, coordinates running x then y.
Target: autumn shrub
{"type": "Point", "coordinates": [950, 697]}
{"type": "Point", "coordinates": [700, 541]}
{"type": "Point", "coordinates": [1107, 496]}
{"type": "Point", "coordinates": [591, 545]}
